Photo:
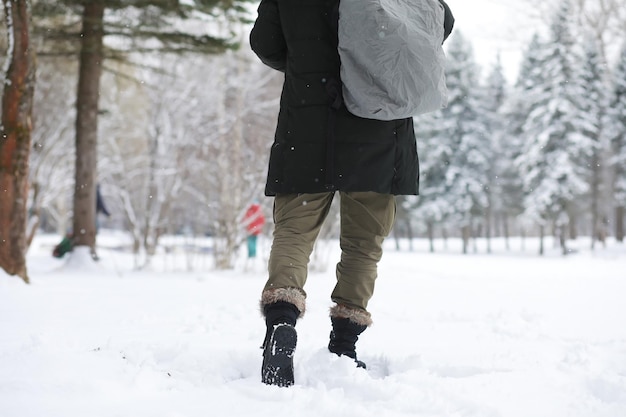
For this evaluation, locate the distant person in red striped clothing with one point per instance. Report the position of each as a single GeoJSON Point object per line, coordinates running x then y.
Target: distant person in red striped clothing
{"type": "Point", "coordinates": [254, 221]}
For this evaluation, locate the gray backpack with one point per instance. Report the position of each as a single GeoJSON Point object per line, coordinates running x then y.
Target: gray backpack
{"type": "Point", "coordinates": [392, 60]}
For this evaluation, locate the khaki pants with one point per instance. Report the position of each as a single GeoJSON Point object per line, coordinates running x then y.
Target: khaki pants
{"type": "Point", "coordinates": [366, 219]}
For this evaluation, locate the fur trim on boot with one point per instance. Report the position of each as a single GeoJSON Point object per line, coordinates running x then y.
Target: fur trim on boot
{"type": "Point", "coordinates": [343, 338]}
{"type": "Point", "coordinates": [355, 315]}
{"type": "Point", "coordinates": [290, 295]}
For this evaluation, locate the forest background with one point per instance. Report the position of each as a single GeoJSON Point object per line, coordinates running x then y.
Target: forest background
{"type": "Point", "coordinates": [185, 120]}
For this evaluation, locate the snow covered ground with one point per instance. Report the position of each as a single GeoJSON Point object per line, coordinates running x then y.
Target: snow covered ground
{"type": "Point", "coordinates": [509, 334]}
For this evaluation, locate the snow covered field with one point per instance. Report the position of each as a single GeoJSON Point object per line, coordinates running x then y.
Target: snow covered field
{"type": "Point", "coordinates": [508, 334]}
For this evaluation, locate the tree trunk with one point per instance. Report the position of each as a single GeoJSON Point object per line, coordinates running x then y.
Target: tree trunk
{"type": "Point", "coordinates": [465, 234]}
{"type": "Point", "coordinates": [595, 197]}
{"type": "Point", "coordinates": [431, 236]}
{"type": "Point", "coordinates": [563, 238]}
{"type": "Point", "coordinates": [555, 234]}
{"type": "Point", "coordinates": [15, 142]}
{"type": "Point", "coordinates": [541, 235]}
{"type": "Point", "coordinates": [476, 233]}
{"type": "Point", "coordinates": [396, 237]}
{"type": "Point", "coordinates": [34, 215]}
{"type": "Point", "coordinates": [505, 225]}
{"type": "Point", "coordinates": [488, 229]}
{"type": "Point", "coordinates": [573, 226]}
{"type": "Point", "coordinates": [409, 232]}
{"type": "Point", "coordinates": [91, 55]}
{"type": "Point", "coordinates": [619, 224]}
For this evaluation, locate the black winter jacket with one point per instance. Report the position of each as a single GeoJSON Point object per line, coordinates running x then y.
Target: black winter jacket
{"type": "Point", "coordinates": [319, 146]}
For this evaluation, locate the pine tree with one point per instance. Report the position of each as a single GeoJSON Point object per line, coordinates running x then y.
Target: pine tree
{"type": "Point", "coordinates": [555, 153]}
{"type": "Point", "coordinates": [467, 174]}
{"type": "Point", "coordinates": [438, 140]}
{"type": "Point", "coordinates": [616, 133]}
{"type": "Point", "coordinates": [495, 92]}
{"type": "Point", "coordinates": [435, 151]}
{"type": "Point", "coordinates": [520, 103]}
{"type": "Point", "coordinates": [593, 104]}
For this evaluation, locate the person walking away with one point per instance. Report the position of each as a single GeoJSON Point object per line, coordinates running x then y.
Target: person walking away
{"type": "Point", "coordinates": [253, 221]}
{"type": "Point", "coordinates": [320, 150]}
{"type": "Point", "coordinates": [100, 208]}
{"type": "Point", "coordinates": [67, 243]}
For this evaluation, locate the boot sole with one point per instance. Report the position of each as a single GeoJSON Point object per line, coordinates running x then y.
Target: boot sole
{"type": "Point", "coordinates": [277, 366]}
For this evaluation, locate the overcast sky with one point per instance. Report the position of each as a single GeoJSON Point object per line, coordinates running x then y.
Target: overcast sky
{"type": "Point", "coordinates": [493, 26]}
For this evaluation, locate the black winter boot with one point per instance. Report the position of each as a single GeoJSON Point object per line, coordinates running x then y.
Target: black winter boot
{"type": "Point", "coordinates": [343, 338]}
{"type": "Point", "coordinates": [280, 343]}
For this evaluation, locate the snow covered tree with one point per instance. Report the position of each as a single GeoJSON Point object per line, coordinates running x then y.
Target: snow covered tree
{"type": "Point", "coordinates": [519, 105]}
{"type": "Point", "coordinates": [236, 148]}
{"type": "Point", "coordinates": [593, 105]}
{"type": "Point", "coordinates": [616, 133]}
{"type": "Point", "coordinates": [152, 25]}
{"type": "Point", "coordinates": [603, 19]}
{"type": "Point", "coordinates": [554, 159]}
{"type": "Point", "coordinates": [52, 155]}
{"type": "Point", "coordinates": [466, 177]}
{"type": "Point", "coordinates": [183, 152]}
{"type": "Point", "coordinates": [144, 150]}
{"type": "Point", "coordinates": [494, 97]}
{"type": "Point", "coordinates": [435, 150]}
{"type": "Point", "coordinates": [15, 137]}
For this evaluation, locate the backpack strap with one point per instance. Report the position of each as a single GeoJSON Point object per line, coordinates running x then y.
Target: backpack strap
{"type": "Point", "coordinates": [448, 22]}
